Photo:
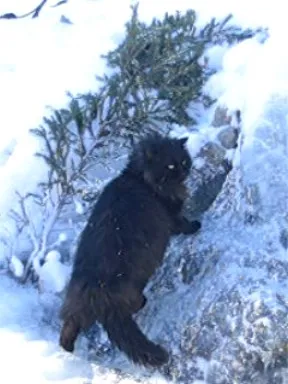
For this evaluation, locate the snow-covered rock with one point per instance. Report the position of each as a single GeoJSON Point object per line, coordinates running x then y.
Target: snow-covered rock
{"type": "Point", "coordinates": [211, 163]}
{"type": "Point", "coordinates": [220, 302]}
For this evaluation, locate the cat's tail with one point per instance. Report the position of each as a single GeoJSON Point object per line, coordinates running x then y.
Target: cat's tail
{"type": "Point", "coordinates": [83, 305]}
{"type": "Point", "coordinates": [126, 335]}
{"type": "Point", "coordinates": [76, 315]}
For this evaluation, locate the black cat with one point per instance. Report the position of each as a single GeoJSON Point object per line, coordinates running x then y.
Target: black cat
{"type": "Point", "coordinates": [123, 243]}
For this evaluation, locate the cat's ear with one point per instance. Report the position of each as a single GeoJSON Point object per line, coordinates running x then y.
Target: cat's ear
{"type": "Point", "coordinates": [183, 141]}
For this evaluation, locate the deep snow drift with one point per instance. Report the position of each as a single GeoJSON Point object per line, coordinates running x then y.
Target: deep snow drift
{"type": "Point", "coordinates": [40, 60]}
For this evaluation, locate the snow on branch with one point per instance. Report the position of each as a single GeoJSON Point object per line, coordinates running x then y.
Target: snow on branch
{"type": "Point", "coordinates": [68, 147]}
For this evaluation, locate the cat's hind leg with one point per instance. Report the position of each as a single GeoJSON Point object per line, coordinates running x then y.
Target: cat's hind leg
{"type": "Point", "coordinates": [69, 333]}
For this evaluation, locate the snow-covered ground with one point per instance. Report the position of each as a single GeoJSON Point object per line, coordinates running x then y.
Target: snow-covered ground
{"type": "Point", "coordinates": [42, 59]}
{"type": "Point", "coordinates": [29, 351]}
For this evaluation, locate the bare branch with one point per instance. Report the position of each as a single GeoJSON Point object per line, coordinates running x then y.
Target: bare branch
{"type": "Point", "coordinates": [32, 233]}
{"type": "Point", "coordinates": [35, 12]}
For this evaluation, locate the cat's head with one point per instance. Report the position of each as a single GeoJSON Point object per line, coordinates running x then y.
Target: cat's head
{"type": "Point", "coordinates": [163, 162]}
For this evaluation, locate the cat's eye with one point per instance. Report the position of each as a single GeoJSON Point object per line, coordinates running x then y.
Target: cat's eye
{"type": "Point", "coordinates": [184, 162]}
{"type": "Point", "coordinates": [171, 166]}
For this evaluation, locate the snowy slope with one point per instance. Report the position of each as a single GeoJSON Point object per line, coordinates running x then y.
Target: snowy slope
{"type": "Point", "coordinates": [40, 60]}
{"type": "Point", "coordinates": [29, 352]}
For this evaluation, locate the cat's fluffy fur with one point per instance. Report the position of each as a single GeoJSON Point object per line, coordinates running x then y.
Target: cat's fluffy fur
{"type": "Point", "coordinates": [123, 243]}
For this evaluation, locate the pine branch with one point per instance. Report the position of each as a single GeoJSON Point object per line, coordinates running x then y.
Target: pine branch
{"type": "Point", "coordinates": [162, 57]}
{"type": "Point", "coordinates": [39, 238]}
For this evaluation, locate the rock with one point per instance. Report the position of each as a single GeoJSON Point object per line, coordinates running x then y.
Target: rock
{"type": "Point", "coordinates": [204, 194]}
{"type": "Point", "coordinates": [206, 181]}
{"type": "Point", "coordinates": [212, 153]}
{"type": "Point", "coordinates": [221, 117]}
{"type": "Point", "coordinates": [228, 137]}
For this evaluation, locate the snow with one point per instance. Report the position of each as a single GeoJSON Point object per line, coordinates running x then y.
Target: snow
{"type": "Point", "coordinates": [62, 237]}
{"type": "Point", "coordinates": [16, 266]}
{"type": "Point", "coordinates": [42, 59]}
{"type": "Point", "coordinates": [31, 353]}
{"type": "Point", "coordinates": [53, 274]}
{"type": "Point", "coordinates": [39, 62]}
{"type": "Point", "coordinates": [78, 207]}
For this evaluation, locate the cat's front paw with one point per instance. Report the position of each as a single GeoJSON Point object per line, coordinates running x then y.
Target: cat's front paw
{"type": "Point", "coordinates": [186, 227]}
{"type": "Point", "coordinates": [193, 227]}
